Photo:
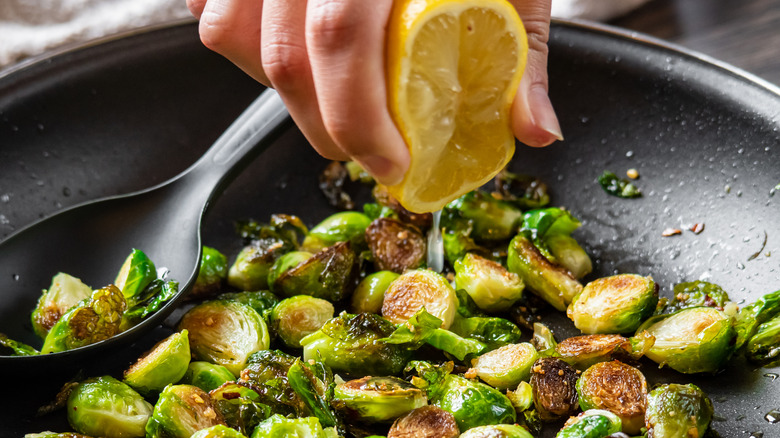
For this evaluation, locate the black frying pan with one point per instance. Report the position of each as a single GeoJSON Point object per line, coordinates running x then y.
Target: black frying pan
{"type": "Point", "coordinates": [131, 112]}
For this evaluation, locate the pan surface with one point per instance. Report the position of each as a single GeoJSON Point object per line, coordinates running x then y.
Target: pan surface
{"type": "Point", "coordinates": [131, 112]}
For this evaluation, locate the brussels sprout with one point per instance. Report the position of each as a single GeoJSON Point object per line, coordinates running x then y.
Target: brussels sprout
{"type": "Point", "coordinates": [550, 230]}
{"type": "Point", "coordinates": [677, 411]}
{"type": "Point", "coordinates": [252, 265]}
{"type": "Point", "coordinates": [416, 289]}
{"type": "Point", "coordinates": [622, 188]}
{"type": "Point", "coordinates": [18, 348]}
{"type": "Point", "coordinates": [763, 348]}
{"type": "Point", "coordinates": [507, 366]}
{"type": "Point", "coordinates": [569, 254]}
{"type": "Point", "coordinates": [136, 273]}
{"type": "Point", "coordinates": [458, 242]}
{"type": "Point", "coordinates": [286, 262]}
{"type": "Point", "coordinates": [370, 292]}
{"type": "Point", "coordinates": [154, 297]}
{"type": "Point", "coordinates": [164, 364]}
{"type": "Point", "coordinates": [593, 423]}
{"type": "Point", "coordinates": [429, 377]}
{"type": "Point", "coordinates": [490, 285]}
{"type": "Point", "coordinates": [751, 316]}
{"type": "Point", "coordinates": [352, 344]}
{"type": "Point", "coordinates": [583, 351]}
{"type": "Point", "coordinates": [425, 422]}
{"type": "Point", "coordinates": [218, 431]}
{"type": "Point", "coordinates": [473, 403]}
{"type": "Point", "coordinates": [497, 431]}
{"type": "Point", "coordinates": [551, 282]}
{"type": "Point", "coordinates": [313, 389]}
{"type": "Point", "coordinates": [93, 319]}
{"type": "Point", "coordinates": [340, 227]}
{"type": "Point", "coordinates": [543, 340]}
{"type": "Point", "coordinates": [522, 397]}
{"type": "Point", "coordinates": [616, 304]}
{"type": "Point", "coordinates": [554, 382]}
{"type": "Point", "coordinates": [490, 218]}
{"type": "Point", "coordinates": [279, 426]}
{"type": "Point", "coordinates": [459, 347]}
{"type": "Point", "coordinates": [693, 340]}
{"type": "Point", "coordinates": [262, 301]}
{"type": "Point", "coordinates": [416, 331]}
{"type": "Point", "coordinates": [180, 411]}
{"type": "Point", "coordinates": [65, 292]}
{"type": "Point", "coordinates": [377, 399]}
{"type": "Point", "coordinates": [494, 332]}
{"type": "Point", "coordinates": [299, 316]}
{"type": "Point", "coordinates": [225, 332]}
{"type": "Point", "coordinates": [697, 294]}
{"type": "Point", "coordinates": [212, 272]}
{"type": "Point", "coordinates": [106, 407]}
{"type": "Point", "coordinates": [206, 375]}
{"type": "Point", "coordinates": [240, 406]}
{"type": "Point", "coordinates": [523, 190]}
{"type": "Point", "coordinates": [329, 274]}
{"type": "Point", "coordinates": [396, 246]}
{"type": "Point", "coordinates": [285, 229]}
{"type": "Point", "coordinates": [617, 388]}
{"type": "Point", "coordinates": [266, 372]}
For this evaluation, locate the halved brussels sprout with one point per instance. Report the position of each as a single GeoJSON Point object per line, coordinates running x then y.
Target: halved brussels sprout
{"type": "Point", "coordinates": [377, 399]}
{"type": "Point", "coordinates": [426, 421]}
{"type": "Point", "coordinates": [677, 411]}
{"type": "Point", "coordinates": [550, 230]}
{"type": "Point", "coordinates": [278, 426]}
{"type": "Point", "coordinates": [252, 265]}
{"type": "Point", "coordinates": [65, 292]}
{"type": "Point", "coordinates": [416, 289]}
{"type": "Point", "coordinates": [569, 254]}
{"type": "Point", "coordinates": [225, 332]}
{"type": "Point", "coordinates": [370, 292]}
{"type": "Point", "coordinates": [522, 397]}
{"type": "Point", "coordinates": [473, 403]}
{"type": "Point", "coordinates": [240, 406]}
{"type": "Point", "coordinates": [153, 298]}
{"type": "Point", "coordinates": [180, 411]}
{"type": "Point", "coordinates": [555, 395]}
{"type": "Point", "coordinates": [339, 227]}
{"type": "Point", "coordinates": [312, 381]}
{"type": "Point", "coordinates": [497, 431]}
{"type": "Point", "coordinates": [494, 332]}
{"type": "Point", "coordinates": [206, 375]}
{"type": "Point", "coordinates": [136, 273]}
{"type": "Point", "coordinates": [617, 388]}
{"type": "Point", "coordinates": [583, 351]}
{"type": "Point", "coordinates": [593, 423]}
{"type": "Point", "coordinates": [543, 340]}
{"type": "Point", "coordinates": [507, 366]}
{"type": "Point", "coordinates": [218, 431]}
{"type": "Point", "coordinates": [492, 287]}
{"type": "Point", "coordinates": [297, 317]}
{"type": "Point", "coordinates": [490, 218]}
{"type": "Point", "coordinates": [212, 272]}
{"type": "Point", "coordinates": [286, 262]}
{"type": "Point", "coordinates": [751, 316]}
{"type": "Point", "coordinates": [551, 282]}
{"type": "Point", "coordinates": [92, 320]}
{"type": "Point", "coordinates": [763, 348]}
{"type": "Point", "coordinates": [396, 246]}
{"type": "Point", "coordinates": [262, 301]}
{"type": "Point", "coordinates": [329, 274]}
{"type": "Point", "coordinates": [164, 364]}
{"type": "Point", "coordinates": [266, 372]}
{"type": "Point", "coordinates": [697, 294]}
{"type": "Point", "coordinates": [693, 340]}
{"type": "Point", "coordinates": [616, 304]}
{"type": "Point", "coordinates": [106, 407]}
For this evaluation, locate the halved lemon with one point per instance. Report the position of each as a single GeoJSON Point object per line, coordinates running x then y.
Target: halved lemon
{"type": "Point", "coordinates": [453, 67]}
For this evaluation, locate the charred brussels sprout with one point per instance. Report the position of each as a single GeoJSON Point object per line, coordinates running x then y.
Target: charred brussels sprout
{"type": "Point", "coordinates": [763, 348]}
{"type": "Point", "coordinates": [164, 364]}
{"type": "Point", "coordinates": [225, 332]}
{"type": "Point", "coordinates": [377, 399]}
{"type": "Point", "coordinates": [617, 388]}
{"type": "Point", "coordinates": [65, 292]}
{"type": "Point", "coordinates": [395, 246]}
{"type": "Point", "coordinates": [206, 375]}
{"type": "Point", "coordinates": [583, 351]}
{"type": "Point", "coordinates": [693, 340]}
{"type": "Point", "coordinates": [252, 265]}
{"type": "Point", "coordinates": [507, 366]}
{"type": "Point", "coordinates": [180, 411]}
{"type": "Point", "coordinates": [352, 344]}
{"type": "Point", "coordinates": [497, 431]}
{"type": "Point", "coordinates": [370, 292]}
{"type": "Point", "coordinates": [489, 218]}
{"type": "Point", "coordinates": [594, 423]}
{"type": "Point", "coordinates": [697, 294]}
{"type": "Point", "coordinates": [240, 406]}
{"type": "Point", "coordinates": [262, 301]}
{"type": "Point", "coordinates": [416, 289]}
{"type": "Point", "coordinates": [329, 274]}
{"type": "Point", "coordinates": [212, 272]}
{"type": "Point", "coordinates": [616, 304]}
{"type": "Point", "coordinates": [312, 381]}
{"type": "Point", "coordinates": [494, 332]}
{"type": "Point", "coordinates": [425, 422]}
{"type": "Point", "coordinates": [473, 403]}
{"type": "Point", "coordinates": [108, 408]}
{"type": "Point", "coordinates": [266, 372]}
{"type": "Point", "coordinates": [555, 395]}
{"type": "Point", "coordinates": [677, 411]}
{"type": "Point", "coordinates": [340, 227]}
{"type": "Point", "coordinates": [93, 319]}
{"type": "Point", "coordinates": [218, 431]}
{"type": "Point", "coordinates": [136, 273]}
{"type": "Point", "coordinates": [297, 317]}
{"type": "Point", "coordinates": [492, 287]}
{"type": "Point", "coordinates": [279, 426]}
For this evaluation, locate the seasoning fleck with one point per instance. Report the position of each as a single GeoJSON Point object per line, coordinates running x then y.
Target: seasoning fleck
{"type": "Point", "coordinates": [671, 232]}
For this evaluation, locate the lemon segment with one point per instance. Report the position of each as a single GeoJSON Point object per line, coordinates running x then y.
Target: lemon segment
{"type": "Point", "coordinates": [453, 69]}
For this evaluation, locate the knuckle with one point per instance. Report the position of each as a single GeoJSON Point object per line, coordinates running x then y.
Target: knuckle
{"type": "Point", "coordinates": [331, 24]}
{"type": "Point", "coordinates": [284, 61]}
{"type": "Point", "coordinates": [196, 7]}
{"type": "Point", "coordinates": [215, 31]}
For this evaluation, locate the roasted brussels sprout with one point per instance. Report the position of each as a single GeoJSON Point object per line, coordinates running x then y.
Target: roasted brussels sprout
{"type": "Point", "coordinates": [550, 230]}
{"type": "Point", "coordinates": [266, 372]}
{"type": "Point", "coordinates": [286, 262]}
{"type": "Point", "coordinates": [457, 346]}
{"type": "Point", "coordinates": [425, 422]}
{"type": "Point", "coordinates": [370, 292]}
{"type": "Point", "coordinates": [136, 273]}
{"type": "Point", "coordinates": [212, 273]}
{"type": "Point", "coordinates": [218, 431]}
{"type": "Point", "coordinates": [569, 254]}
{"type": "Point", "coordinates": [555, 395]}
{"type": "Point", "coordinates": [616, 304]}
{"type": "Point", "coordinates": [693, 340]}
{"type": "Point", "coordinates": [279, 426]}
{"type": "Point", "coordinates": [763, 348]}
{"type": "Point", "coordinates": [283, 231]}
{"type": "Point", "coordinates": [494, 332]}
{"type": "Point", "coordinates": [473, 403]}
{"type": "Point", "coordinates": [428, 376]}
{"type": "Point", "coordinates": [340, 227]}
{"type": "Point", "coordinates": [240, 406]}
{"type": "Point", "coordinates": [593, 423]}
{"type": "Point", "coordinates": [677, 411]}
{"type": "Point", "coordinates": [416, 289]}
{"type": "Point", "coordinates": [551, 282]}
{"type": "Point", "coordinates": [225, 332]}
{"type": "Point", "coordinates": [93, 319]}
{"type": "Point", "coordinates": [543, 340]}
{"type": "Point", "coordinates": [527, 192]}
{"type": "Point", "coordinates": [106, 407]}
{"type": "Point", "coordinates": [164, 364]}
{"type": "Point", "coordinates": [206, 375]}
{"type": "Point", "coordinates": [396, 246]}
{"type": "Point", "coordinates": [252, 265]}
{"type": "Point", "coordinates": [262, 301]}
{"type": "Point", "coordinates": [154, 297]}
{"type": "Point", "coordinates": [697, 294]}
{"type": "Point", "coordinates": [377, 399]}
{"type": "Point", "coordinates": [458, 242]}
{"type": "Point", "coordinates": [497, 431]}
{"type": "Point", "coordinates": [329, 274]}
{"type": "Point", "coordinates": [299, 316]}
{"type": "Point", "coordinates": [522, 397]}
{"type": "Point", "coordinates": [507, 366]}
{"type": "Point", "coordinates": [180, 411]}
{"type": "Point", "coordinates": [583, 351]}
{"type": "Point", "coordinates": [751, 316]}
{"type": "Point", "coordinates": [617, 388]}
{"type": "Point", "coordinates": [312, 382]}
{"type": "Point", "coordinates": [489, 218]}
{"type": "Point", "coordinates": [65, 292]}
{"type": "Point", "coordinates": [492, 287]}
{"type": "Point", "coordinates": [352, 344]}
{"type": "Point", "coordinates": [622, 188]}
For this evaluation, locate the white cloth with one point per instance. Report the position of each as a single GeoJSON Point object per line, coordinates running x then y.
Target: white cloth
{"type": "Point", "coordinates": [31, 27]}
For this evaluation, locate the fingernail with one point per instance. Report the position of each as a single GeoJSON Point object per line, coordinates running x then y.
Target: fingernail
{"type": "Point", "coordinates": [384, 170]}
{"type": "Point", "coordinates": [543, 112]}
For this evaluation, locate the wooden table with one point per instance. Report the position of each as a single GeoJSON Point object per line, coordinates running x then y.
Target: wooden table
{"type": "Point", "coordinates": [744, 33]}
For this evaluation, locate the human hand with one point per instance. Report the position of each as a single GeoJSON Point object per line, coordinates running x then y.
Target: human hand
{"type": "Point", "coordinates": [326, 60]}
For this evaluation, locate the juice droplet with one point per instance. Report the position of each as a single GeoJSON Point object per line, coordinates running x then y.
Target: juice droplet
{"type": "Point", "coordinates": [436, 244]}
{"type": "Point", "coordinates": [773, 416]}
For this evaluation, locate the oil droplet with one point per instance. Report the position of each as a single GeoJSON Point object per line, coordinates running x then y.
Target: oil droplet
{"type": "Point", "coordinates": [16, 277]}
{"type": "Point", "coordinates": [66, 191]}
{"type": "Point", "coordinates": [757, 435]}
{"type": "Point", "coordinates": [773, 416]}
